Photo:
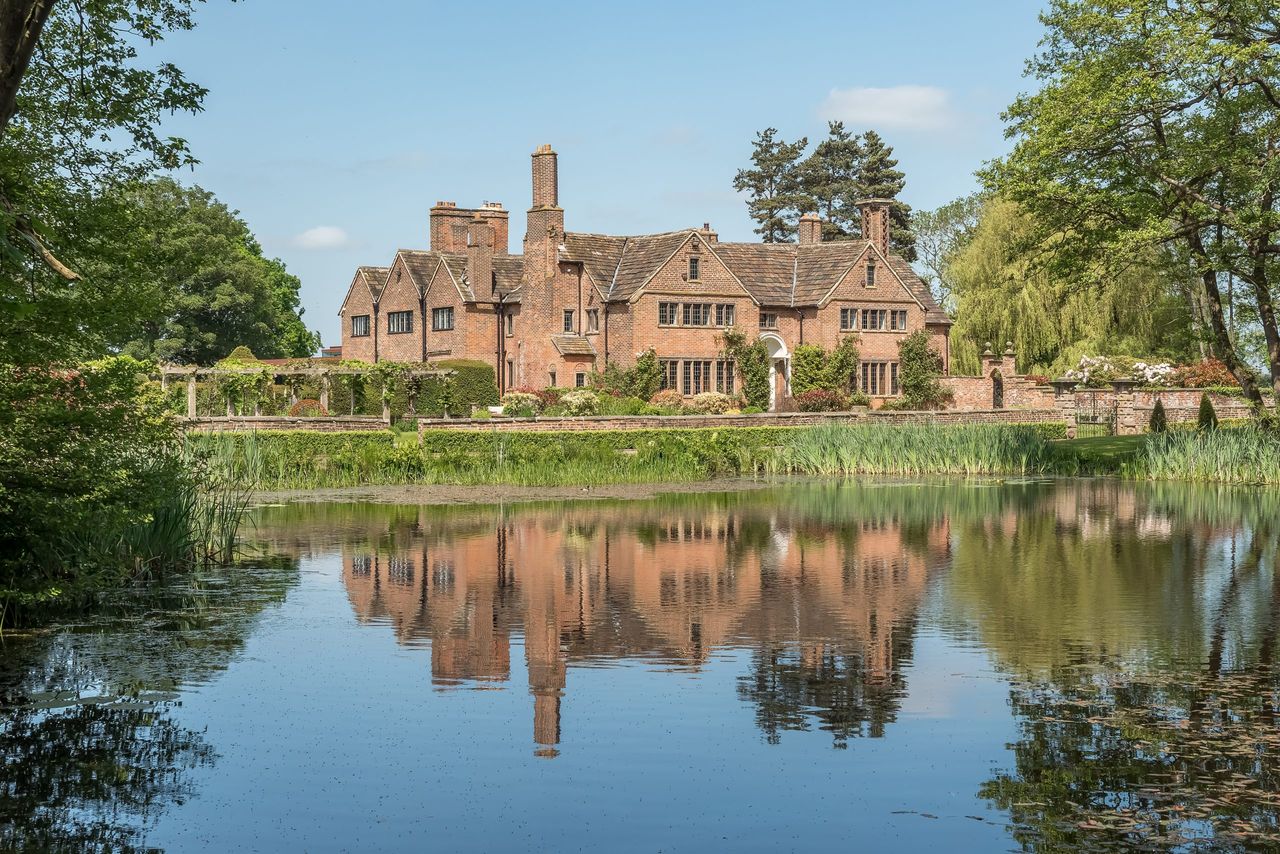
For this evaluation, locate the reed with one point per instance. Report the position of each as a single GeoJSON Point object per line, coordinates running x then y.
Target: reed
{"type": "Point", "coordinates": [1247, 455]}
{"type": "Point", "coordinates": [846, 450]}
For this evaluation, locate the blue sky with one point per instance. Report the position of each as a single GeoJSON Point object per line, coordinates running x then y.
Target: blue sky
{"type": "Point", "coordinates": [333, 127]}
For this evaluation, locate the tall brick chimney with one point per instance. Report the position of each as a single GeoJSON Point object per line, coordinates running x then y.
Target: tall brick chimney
{"type": "Point", "coordinates": [810, 229]}
{"type": "Point", "coordinates": [544, 227]}
{"type": "Point", "coordinates": [480, 257]}
{"type": "Point", "coordinates": [875, 222]}
{"type": "Point", "coordinates": [451, 224]}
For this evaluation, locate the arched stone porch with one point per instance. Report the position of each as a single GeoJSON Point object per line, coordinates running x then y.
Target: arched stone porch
{"type": "Point", "coordinates": [779, 369]}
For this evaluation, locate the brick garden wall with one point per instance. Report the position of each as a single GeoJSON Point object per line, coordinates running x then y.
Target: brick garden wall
{"type": "Point", "coordinates": [765, 419]}
{"type": "Point", "coordinates": [283, 422]}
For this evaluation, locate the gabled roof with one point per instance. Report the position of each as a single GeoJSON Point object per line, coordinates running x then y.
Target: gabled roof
{"type": "Point", "coordinates": [774, 274]}
{"type": "Point", "coordinates": [371, 279]}
{"type": "Point", "coordinates": [422, 266]}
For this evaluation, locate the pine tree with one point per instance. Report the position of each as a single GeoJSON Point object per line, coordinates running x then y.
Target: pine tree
{"type": "Point", "coordinates": [829, 181]}
{"type": "Point", "coordinates": [879, 178]}
{"type": "Point", "coordinates": [1159, 420]}
{"type": "Point", "coordinates": [1207, 419]}
{"type": "Point", "coordinates": [773, 185]}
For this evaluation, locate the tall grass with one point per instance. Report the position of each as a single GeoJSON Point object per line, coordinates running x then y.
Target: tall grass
{"type": "Point", "coordinates": [839, 450]}
{"type": "Point", "coordinates": [1249, 454]}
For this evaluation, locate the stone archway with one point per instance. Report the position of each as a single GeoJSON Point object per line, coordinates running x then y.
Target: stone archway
{"type": "Point", "coordinates": [779, 369]}
{"type": "Point", "coordinates": [997, 390]}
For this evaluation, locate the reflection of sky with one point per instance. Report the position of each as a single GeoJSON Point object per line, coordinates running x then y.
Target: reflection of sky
{"type": "Point", "coordinates": [651, 758]}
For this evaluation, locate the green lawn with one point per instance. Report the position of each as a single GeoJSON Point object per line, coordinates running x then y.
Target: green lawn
{"type": "Point", "coordinates": [1101, 454]}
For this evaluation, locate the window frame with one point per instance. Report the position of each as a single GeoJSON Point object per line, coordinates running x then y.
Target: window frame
{"type": "Point", "coordinates": [406, 316]}
{"type": "Point", "coordinates": [881, 320]}
{"type": "Point", "coordinates": [726, 314]}
{"type": "Point", "coordinates": [509, 326]}
{"type": "Point", "coordinates": [368, 326]}
{"type": "Point", "coordinates": [568, 320]}
{"type": "Point", "coordinates": [766, 324]}
{"type": "Point", "coordinates": [671, 311]}
{"type": "Point", "coordinates": [851, 314]}
{"type": "Point", "coordinates": [897, 320]}
{"type": "Point", "coordinates": [691, 312]}
{"type": "Point", "coordinates": [695, 268]}
{"type": "Point", "coordinates": [593, 321]}
{"type": "Point", "coordinates": [870, 280]}
{"type": "Point", "coordinates": [439, 312]}
{"type": "Point", "coordinates": [580, 379]}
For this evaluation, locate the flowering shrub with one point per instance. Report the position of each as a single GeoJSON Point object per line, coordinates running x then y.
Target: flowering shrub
{"type": "Point", "coordinates": [1203, 374]}
{"type": "Point", "coordinates": [668, 398]}
{"type": "Point", "coordinates": [548, 396]}
{"type": "Point", "coordinates": [712, 403]}
{"type": "Point", "coordinates": [821, 400]}
{"type": "Point", "coordinates": [1153, 373]}
{"type": "Point", "coordinates": [580, 402]}
{"type": "Point", "coordinates": [308, 408]}
{"type": "Point", "coordinates": [521, 404]}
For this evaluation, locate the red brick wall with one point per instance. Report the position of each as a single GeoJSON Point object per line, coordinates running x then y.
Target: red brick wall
{"type": "Point", "coordinates": [400, 294]}
{"type": "Point", "coordinates": [359, 301]}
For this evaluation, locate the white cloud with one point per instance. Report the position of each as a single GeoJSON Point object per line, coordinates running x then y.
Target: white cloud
{"type": "Point", "coordinates": [322, 237]}
{"type": "Point", "coordinates": [896, 107]}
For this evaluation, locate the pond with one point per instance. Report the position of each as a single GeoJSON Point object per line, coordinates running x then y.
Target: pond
{"type": "Point", "coordinates": [959, 665]}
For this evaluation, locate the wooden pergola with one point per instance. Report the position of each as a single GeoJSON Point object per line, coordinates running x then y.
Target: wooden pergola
{"type": "Point", "coordinates": [192, 375]}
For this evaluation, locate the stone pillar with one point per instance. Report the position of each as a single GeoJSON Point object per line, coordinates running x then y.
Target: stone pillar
{"type": "Point", "coordinates": [191, 395]}
{"type": "Point", "coordinates": [1064, 398]}
{"type": "Point", "coordinates": [1126, 416]}
{"type": "Point", "coordinates": [324, 392]}
{"type": "Point", "coordinates": [164, 380]}
{"type": "Point", "coordinates": [386, 409]}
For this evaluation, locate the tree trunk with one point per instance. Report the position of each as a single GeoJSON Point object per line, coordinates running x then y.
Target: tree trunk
{"type": "Point", "coordinates": [1225, 347]}
{"type": "Point", "coordinates": [20, 24]}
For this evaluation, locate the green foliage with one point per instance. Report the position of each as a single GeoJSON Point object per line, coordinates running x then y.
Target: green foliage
{"type": "Point", "coordinates": [519, 404]}
{"type": "Point", "coordinates": [847, 450]}
{"type": "Point", "coordinates": [1154, 131]}
{"type": "Point", "coordinates": [752, 360]}
{"type": "Point", "coordinates": [1247, 454]}
{"type": "Point", "coordinates": [940, 235]}
{"type": "Point", "coordinates": [880, 178]}
{"type": "Point", "coordinates": [642, 380]}
{"type": "Point", "coordinates": [94, 485]}
{"type": "Point", "coordinates": [808, 369]}
{"type": "Point", "coordinates": [829, 180]}
{"type": "Point", "coordinates": [822, 400]}
{"type": "Point", "coordinates": [1006, 287]}
{"type": "Point", "coordinates": [772, 185]}
{"type": "Point", "coordinates": [711, 403]}
{"type": "Point", "coordinates": [1207, 417]}
{"type": "Point", "coordinates": [919, 373]}
{"type": "Point", "coordinates": [667, 401]}
{"type": "Point", "coordinates": [211, 285]}
{"type": "Point", "coordinates": [1159, 420]}
{"type": "Point", "coordinates": [473, 384]}
{"type": "Point", "coordinates": [241, 354]}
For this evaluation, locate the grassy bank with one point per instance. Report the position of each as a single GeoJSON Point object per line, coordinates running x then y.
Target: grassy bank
{"type": "Point", "coordinates": [307, 460]}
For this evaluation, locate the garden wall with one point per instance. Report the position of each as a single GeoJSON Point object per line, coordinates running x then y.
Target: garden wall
{"type": "Point", "coordinates": [764, 419]}
{"type": "Point", "coordinates": [284, 422]}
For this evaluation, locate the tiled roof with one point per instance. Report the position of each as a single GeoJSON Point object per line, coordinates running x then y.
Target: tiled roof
{"type": "Point", "coordinates": [776, 274]}
{"type": "Point", "coordinates": [573, 345]}
{"type": "Point", "coordinates": [374, 278]}
{"type": "Point", "coordinates": [422, 265]}
{"type": "Point", "coordinates": [933, 312]}
{"type": "Point", "coordinates": [620, 266]}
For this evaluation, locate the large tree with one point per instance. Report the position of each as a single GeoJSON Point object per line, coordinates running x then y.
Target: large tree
{"type": "Point", "coordinates": [772, 185]}
{"type": "Point", "coordinates": [879, 178]}
{"type": "Point", "coordinates": [209, 285]}
{"type": "Point", "coordinates": [829, 182]}
{"type": "Point", "coordinates": [1158, 127]}
{"type": "Point", "coordinates": [80, 119]}
{"type": "Point", "coordinates": [1005, 290]}
{"type": "Point", "coordinates": [940, 234]}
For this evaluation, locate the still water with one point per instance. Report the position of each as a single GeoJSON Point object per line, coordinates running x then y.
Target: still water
{"type": "Point", "coordinates": [943, 665]}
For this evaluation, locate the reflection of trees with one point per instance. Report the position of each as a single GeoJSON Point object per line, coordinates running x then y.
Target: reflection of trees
{"type": "Point", "coordinates": [91, 756]}
{"type": "Point", "coordinates": [795, 689]}
{"type": "Point", "coordinates": [1168, 744]}
{"type": "Point", "coordinates": [90, 778]}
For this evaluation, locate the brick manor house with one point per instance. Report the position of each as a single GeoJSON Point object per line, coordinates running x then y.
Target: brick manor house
{"type": "Point", "coordinates": [575, 301]}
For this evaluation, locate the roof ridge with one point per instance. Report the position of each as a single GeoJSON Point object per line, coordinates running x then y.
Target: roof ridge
{"type": "Point", "coordinates": [613, 283]}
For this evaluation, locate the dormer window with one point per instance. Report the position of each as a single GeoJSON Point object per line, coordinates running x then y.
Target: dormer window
{"type": "Point", "coordinates": [871, 274]}
{"type": "Point", "coordinates": [693, 268]}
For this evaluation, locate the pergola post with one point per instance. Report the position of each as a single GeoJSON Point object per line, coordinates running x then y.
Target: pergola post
{"type": "Point", "coordinates": [324, 392]}
{"type": "Point", "coordinates": [191, 395]}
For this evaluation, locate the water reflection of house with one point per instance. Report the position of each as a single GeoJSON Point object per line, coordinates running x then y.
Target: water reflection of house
{"type": "Point", "coordinates": [597, 582]}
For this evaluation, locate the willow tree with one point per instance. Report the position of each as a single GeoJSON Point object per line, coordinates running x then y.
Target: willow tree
{"type": "Point", "coordinates": [1157, 127]}
{"type": "Point", "coordinates": [1007, 286]}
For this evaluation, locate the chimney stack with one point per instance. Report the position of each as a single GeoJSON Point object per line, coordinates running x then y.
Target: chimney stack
{"type": "Point", "coordinates": [480, 257]}
{"type": "Point", "coordinates": [875, 222]}
{"type": "Point", "coordinates": [546, 189]}
{"type": "Point", "coordinates": [451, 224]}
{"type": "Point", "coordinates": [810, 229]}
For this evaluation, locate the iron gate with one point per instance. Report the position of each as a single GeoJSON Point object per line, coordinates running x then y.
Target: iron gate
{"type": "Point", "coordinates": [1095, 413]}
